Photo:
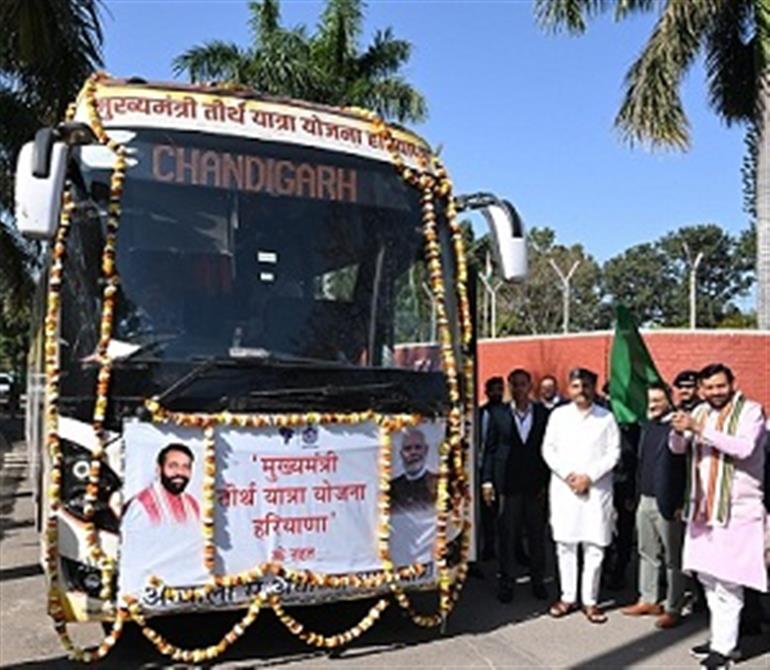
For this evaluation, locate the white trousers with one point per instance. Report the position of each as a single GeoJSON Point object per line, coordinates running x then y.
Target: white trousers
{"type": "Point", "coordinates": [725, 601]}
{"type": "Point", "coordinates": [593, 554]}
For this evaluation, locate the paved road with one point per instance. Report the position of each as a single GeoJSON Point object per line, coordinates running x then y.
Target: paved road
{"type": "Point", "coordinates": [481, 633]}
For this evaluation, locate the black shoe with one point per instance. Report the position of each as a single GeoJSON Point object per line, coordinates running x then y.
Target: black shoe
{"type": "Point", "coordinates": [716, 661]}
{"type": "Point", "coordinates": [504, 591]}
{"type": "Point", "coordinates": [701, 651]}
{"type": "Point", "coordinates": [539, 591]}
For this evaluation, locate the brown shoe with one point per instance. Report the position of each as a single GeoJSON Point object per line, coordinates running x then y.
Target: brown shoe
{"type": "Point", "coordinates": [561, 609]}
{"type": "Point", "coordinates": [668, 620]}
{"type": "Point", "coordinates": [642, 609]}
{"type": "Point", "coordinates": [594, 614]}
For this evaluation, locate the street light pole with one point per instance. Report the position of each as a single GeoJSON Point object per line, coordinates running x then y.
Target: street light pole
{"type": "Point", "coordinates": [432, 299]}
{"type": "Point", "coordinates": [693, 283]}
{"type": "Point", "coordinates": [490, 295]}
{"type": "Point", "coordinates": [565, 282]}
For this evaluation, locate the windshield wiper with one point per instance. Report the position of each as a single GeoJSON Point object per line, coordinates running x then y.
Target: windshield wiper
{"type": "Point", "coordinates": [324, 391]}
{"type": "Point", "coordinates": [269, 357]}
{"type": "Point", "coordinates": [208, 363]}
{"type": "Point", "coordinates": [152, 345]}
{"type": "Point", "coordinates": [185, 380]}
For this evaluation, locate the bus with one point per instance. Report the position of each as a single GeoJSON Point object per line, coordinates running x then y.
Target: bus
{"type": "Point", "coordinates": [252, 373]}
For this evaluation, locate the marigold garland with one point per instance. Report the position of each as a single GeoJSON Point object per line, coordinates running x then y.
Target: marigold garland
{"type": "Point", "coordinates": [303, 578]}
{"type": "Point", "coordinates": [201, 654]}
{"type": "Point", "coordinates": [451, 449]}
{"type": "Point", "coordinates": [209, 492]}
{"type": "Point", "coordinates": [109, 292]}
{"type": "Point", "coordinates": [431, 185]}
{"type": "Point", "coordinates": [383, 502]}
{"type": "Point", "coordinates": [330, 641]}
{"type": "Point", "coordinates": [51, 350]}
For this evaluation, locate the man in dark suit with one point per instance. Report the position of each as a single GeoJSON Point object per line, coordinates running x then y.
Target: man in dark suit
{"type": "Point", "coordinates": [515, 477]}
{"type": "Point", "coordinates": [494, 389]}
{"type": "Point", "coordinates": [661, 484]}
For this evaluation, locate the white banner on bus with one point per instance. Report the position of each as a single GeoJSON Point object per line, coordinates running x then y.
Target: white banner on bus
{"type": "Point", "coordinates": [318, 127]}
{"type": "Point", "coordinates": [305, 497]}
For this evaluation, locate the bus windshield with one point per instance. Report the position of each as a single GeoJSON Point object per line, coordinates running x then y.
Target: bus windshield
{"type": "Point", "coordinates": [229, 246]}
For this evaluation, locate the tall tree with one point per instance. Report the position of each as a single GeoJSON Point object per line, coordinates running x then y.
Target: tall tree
{"type": "Point", "coordinates": [653, 280]}
{"type": "Point", "coordinates": [734, 37]}
{"type": "Point", "coordinates": [278, 62]}
{"type": "Point", "coordinates": [640, 278]}
{"type": "Point", "coordinates": [537, 306]}
{"type": "Point", "coordinates": [327, 66]}
{"type": "Point", "coordinates": [722, 276]}
{"type": "Point", "coordinates": [48, 49]}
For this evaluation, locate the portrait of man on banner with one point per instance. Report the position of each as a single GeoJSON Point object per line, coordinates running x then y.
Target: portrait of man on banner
{"type": "Point", "coordinates": [161, 531]}
{"type": "Point", "coordinates": [413, 493]}
{"type": "Point", "coordinates": [165, 501]}
{"type": "Point", "coordinates": [417, 486]}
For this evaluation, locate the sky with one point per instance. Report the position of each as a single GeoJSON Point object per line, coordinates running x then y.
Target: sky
{"type": "Point", "coordinates": [522, 113]}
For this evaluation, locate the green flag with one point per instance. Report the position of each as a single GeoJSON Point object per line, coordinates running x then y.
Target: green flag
{"type": "Point", "coordinates": [632, 370]}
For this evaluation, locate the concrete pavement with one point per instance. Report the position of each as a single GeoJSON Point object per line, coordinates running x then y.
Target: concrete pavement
{"type": "Point", "coordinates": [481, 633]}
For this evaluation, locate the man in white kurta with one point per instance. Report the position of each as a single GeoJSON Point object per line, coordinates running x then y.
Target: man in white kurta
{"type": "Point", "coordinates": [581, 447]}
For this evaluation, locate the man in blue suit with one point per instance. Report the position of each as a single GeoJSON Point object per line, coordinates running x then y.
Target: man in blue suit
{"type": "Point", "coordinates": [661, 482]}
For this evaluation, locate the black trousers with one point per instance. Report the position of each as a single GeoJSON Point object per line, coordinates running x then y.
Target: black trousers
{"type": "Point", "coordinates": [621, 548]}
{"type": "Point", "coordinates": [516, 512]}
{"type": "Point", "coordinates": [488, 529]}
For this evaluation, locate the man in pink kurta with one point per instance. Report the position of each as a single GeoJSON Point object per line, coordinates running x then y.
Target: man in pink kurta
{"type": "Point", "coordinates": [724, 441]}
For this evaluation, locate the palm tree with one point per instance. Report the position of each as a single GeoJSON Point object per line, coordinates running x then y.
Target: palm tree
{"type": "Point", "coordinates": [279, 62]}
{"type": "Point", "coordinates": [734, 37]}
{"type": "Point", "coordinates": [48, 49]}
{"type": "Point", "coordinates": [324, 67]}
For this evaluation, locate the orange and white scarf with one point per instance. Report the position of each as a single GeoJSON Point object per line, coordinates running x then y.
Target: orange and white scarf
{"type": "Point", "coordinates": [712, 505]}
{"type": "Point", "coordinates": [163, 506]}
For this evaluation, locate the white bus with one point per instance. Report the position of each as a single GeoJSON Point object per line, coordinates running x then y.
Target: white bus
{"type": "Point", "coordinates": [252, 372]}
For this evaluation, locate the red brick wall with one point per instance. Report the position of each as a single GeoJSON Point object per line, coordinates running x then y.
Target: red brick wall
{"type": "Point", "coordinates": [747, 353]}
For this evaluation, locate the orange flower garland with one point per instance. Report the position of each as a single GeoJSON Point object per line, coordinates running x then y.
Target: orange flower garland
{"type": "Point", "coordinates": [51, 349]}
{"type": "Point", "coordinates": [209, 491]}
{"type": "Point", "coordinates": [110, 277]}
{"type": "Point", "coordinates": [195, 655]}
{"type": "Point", "coordinates": [442, 186]}
{"type": "Point", "coordinates": [331, 641]}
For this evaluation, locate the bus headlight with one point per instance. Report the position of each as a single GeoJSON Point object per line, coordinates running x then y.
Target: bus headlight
{"type": "Point", "coordinates": [76, 465]}
{"type": "Point", "coordinates": [81, 577]}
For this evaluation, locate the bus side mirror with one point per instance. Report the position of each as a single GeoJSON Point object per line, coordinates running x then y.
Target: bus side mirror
{"type": "Point", "coordinates": [510, 244]}
{"type": "Point", "coordinates": [40, 171]}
